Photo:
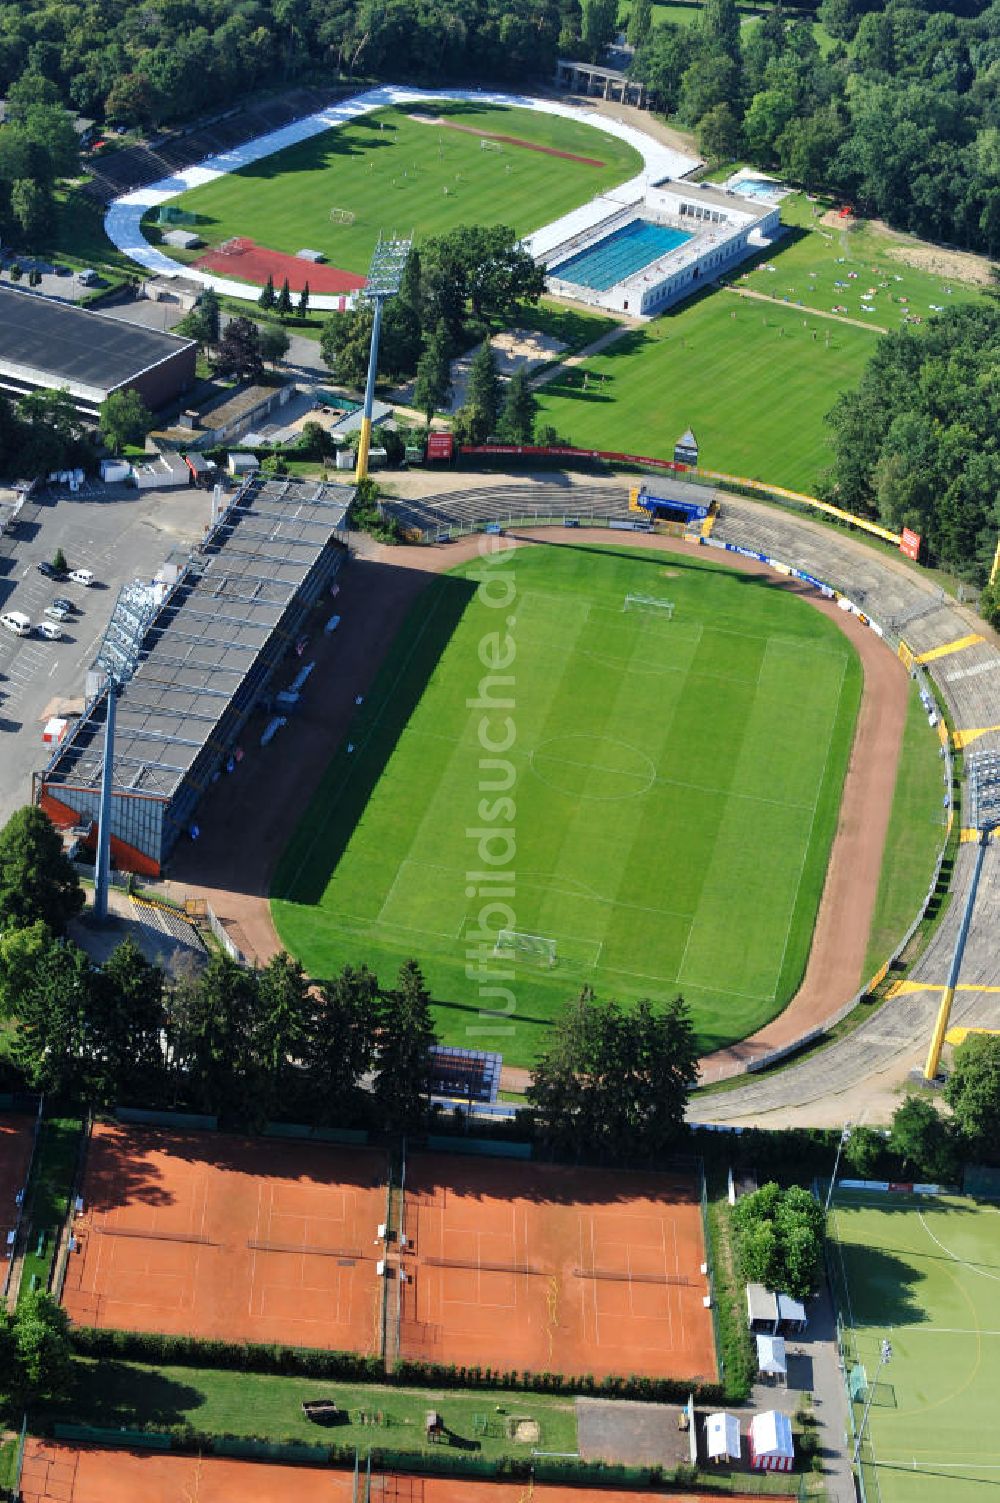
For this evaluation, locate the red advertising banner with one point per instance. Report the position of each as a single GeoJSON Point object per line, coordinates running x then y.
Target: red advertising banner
{"type": "Point", "coordinates": [440, 446]}
{"type": "Point", "coordinates": [909, 543]}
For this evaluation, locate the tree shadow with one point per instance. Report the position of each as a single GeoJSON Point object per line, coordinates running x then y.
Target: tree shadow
{"type": "Point", "coordinates": [119, 1395]}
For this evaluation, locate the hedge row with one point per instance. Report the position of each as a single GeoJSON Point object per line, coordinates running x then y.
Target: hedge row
{"type": "Point", "coordinates": [307, 1362]}
{"type": "Point", "coordinates": [241, 1356]}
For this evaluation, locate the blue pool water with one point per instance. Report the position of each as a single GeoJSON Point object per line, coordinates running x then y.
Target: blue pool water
{"type": "Point", "coordinates": [620, 254]}
{"type": "Point", "coordinates": [756, 187]}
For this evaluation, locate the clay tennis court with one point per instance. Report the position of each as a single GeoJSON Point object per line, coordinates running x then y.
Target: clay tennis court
{"type": "Point", "coordinates": [16, 1138]}
{"type": "Point", "coordinates": [209, 1235]}
{"type": "Point", "coordinates": [55, 1473]}
{"type": "Point", "coordinates": [255, 263]}
{"type": "Point", "coordinates": [550, 1268]}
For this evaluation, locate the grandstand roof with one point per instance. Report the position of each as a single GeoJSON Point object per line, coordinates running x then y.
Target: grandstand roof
{"type": "Point", "coordinates": [208, 636]}
{"type": "Point", "coordinates": [78, 346]}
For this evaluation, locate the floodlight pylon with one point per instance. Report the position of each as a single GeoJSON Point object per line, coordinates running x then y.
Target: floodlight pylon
{"type": "Point", "coordinates": [385, 276]}
{"type": "Point", "coordinates": [118, 659]}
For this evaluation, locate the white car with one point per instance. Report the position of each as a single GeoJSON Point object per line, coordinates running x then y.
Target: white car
{"type": "Point", "coordinates": [17, 622]}
{"type": "Point", "coordinates": [82, 577]}
{"type": "Point", "coordinates": [50, 630]}
{"type": "Point", "coordinates": [56, 612]}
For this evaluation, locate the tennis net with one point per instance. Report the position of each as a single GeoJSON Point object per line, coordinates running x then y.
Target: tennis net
{"type": "Point", "coordinates": [151, 1236]}
{"type": "Point", "coordinates": [475, 1263]}
{"type": "Point", "coordinates": [630, 1276]}
{"type": "Point", "coordinates": [349, 1254]}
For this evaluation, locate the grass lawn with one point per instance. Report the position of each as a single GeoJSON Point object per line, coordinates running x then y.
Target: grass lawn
{"type": "Point", "coordinates": [748, 377]}
{"type": "Point", "coordinates": [219, 1402]}
{"type": "Point", "coordinates": [754, 380]}
{"type": "Point", "coordinates": [914, 836]}
{"type": "Point", "coordinates": [391, 171]}
{"type": "Point", "coordinates": [676, 785]}
{"type": "Point", "coordinates": [922, 1272]}
{"type": "Point", "coordinates": [48, 1196]}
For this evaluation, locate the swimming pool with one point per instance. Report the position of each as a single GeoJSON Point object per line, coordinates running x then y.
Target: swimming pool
{"type": "Point", "coordinates": [620, 254]}
{"type": "Point", "coordinates": [761, 188]}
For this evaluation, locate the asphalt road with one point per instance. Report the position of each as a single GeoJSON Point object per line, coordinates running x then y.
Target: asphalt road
{"type": "Point", "coordinates": [119, 533]}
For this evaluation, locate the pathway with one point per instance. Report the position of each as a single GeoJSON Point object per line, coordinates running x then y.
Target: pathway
{"type": "Point", "coordinates": [594, 348]}
{"type": "Point", "coordinates": [781, 302]}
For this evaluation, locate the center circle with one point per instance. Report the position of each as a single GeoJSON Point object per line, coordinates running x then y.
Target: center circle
{"type": "Point", "coordinates": [583, 765]}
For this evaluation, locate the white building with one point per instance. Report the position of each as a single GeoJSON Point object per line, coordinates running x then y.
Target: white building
{"type": "Point", "coordinates": [623, 264]}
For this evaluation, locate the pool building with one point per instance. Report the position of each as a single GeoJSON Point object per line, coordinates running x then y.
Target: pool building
{"type": "Point", "coordinates": [641, 256]}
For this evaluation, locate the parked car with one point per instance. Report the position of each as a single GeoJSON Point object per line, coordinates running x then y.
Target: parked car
{"type": "Point", "coordinates": [66, 605]}
{"type": "Point", "coordinates": [56, 612]}
{"type": "Point", "coordinates": [50, 630]}
{"type": "Point", "coordinates": [17, 622]}
{"type": "Point", "coordinates": [50, 571]}
{"type": "Point", "coordinates": [82, 577]}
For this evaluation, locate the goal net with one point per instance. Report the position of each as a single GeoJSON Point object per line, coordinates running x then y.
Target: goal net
{"type": "Point", "coordinates": [649, 603]}
{"type": "Point", "coordinates": [487, 145]}
{"type": "Point", "coordinates": [341, 216]}
{"type": "Point", "coordinates": [532, 946]}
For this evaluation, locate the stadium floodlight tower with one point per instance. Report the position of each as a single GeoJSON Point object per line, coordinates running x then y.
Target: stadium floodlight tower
{"type": "Point", "coordinates": [117, 660]}
{"type": "Point", "coordinates": [385, 276]}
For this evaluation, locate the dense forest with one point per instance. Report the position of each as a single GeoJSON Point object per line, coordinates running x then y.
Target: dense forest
{"type": "Point", "coordinates": [901, 115]}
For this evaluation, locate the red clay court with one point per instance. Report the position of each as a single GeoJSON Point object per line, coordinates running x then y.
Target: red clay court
{"type": "Point", "coordinates": [554, 1269]}
{"type": "Point", "coordinates": [56, 1473]}
{"type": "Point", "coordinates": [208, 1235]}
{"type": "Point", "coordinates": [255, 263]}
{"type": "Point", "coordinates": [16, 1138]}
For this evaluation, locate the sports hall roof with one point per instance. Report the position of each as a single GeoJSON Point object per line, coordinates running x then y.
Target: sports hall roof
{"type": "Point", "coordinates": [77, 345]}
{"type": "Point", "coordinates": [207, 636]}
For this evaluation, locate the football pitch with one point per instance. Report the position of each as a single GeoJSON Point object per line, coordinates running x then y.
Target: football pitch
{"type": "Point", "coordinates": [396, 173]}
{"type": "Point", "coordinates": [923, 1272]}
{"type": "Point", "coordinates": [669, 781]}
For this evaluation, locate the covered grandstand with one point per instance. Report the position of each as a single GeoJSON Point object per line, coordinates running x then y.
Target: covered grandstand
{"type": "Point", "coordinates": [228, 616]}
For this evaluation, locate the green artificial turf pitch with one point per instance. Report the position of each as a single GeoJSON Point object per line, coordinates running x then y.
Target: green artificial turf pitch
{"type": "Point", "coordinates": [923, 1272]}
{"type": "Point", "coordinates": [676, 782]}
{"type": "Point", "coordinates": [396, 174]}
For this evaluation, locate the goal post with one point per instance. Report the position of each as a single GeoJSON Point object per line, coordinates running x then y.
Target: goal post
{"type": "Point", "coordinates": [649, 603]}
{"type": "Point", "coordinates": [532, 946]}
{"type": "Point", "coordinates": [341, 216]}
{"type": "Point", "coordinates": [485, 144]}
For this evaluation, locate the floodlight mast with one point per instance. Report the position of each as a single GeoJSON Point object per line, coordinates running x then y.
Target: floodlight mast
{"type": "Point", "coordinates": [118, 658]}
{"type": "Point", "coordinates": [385, 276]}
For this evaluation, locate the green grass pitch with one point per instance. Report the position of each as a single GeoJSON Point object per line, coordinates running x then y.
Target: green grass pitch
{"type": "Point", "coordinates": [396, 174]}
{"type": "Point", "coordinates": [923, 1272]}
{"type": "Point", "coordinates": [676, 782]}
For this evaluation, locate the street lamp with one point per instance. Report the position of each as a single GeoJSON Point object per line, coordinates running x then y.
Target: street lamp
{"type": "Point", "coordinates": [884, 1357]}
{"type": "Point", "coordinates": [845, 1137]}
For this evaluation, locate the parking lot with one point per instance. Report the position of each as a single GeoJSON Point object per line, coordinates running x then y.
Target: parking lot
{"type": "Point", "coordinates": [120, 534]}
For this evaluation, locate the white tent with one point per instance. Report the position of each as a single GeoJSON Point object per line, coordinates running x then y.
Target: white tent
{"type": "Point", "coordinates": [772, 1361]}
{"type": "Point", "coordinates": [722, 1437]}
{"type": "Point", "coordinates": [771, 1448]}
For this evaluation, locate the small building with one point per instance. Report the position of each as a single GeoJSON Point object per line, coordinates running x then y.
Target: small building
{"type": "Point", "coordinates": [771, 1447]}
{"type": "Point", "coordinates": [722, 1437]}
{"type": "Point", "coordinates": [762, 1308]}
{"type": "Point", "coordinates": [772, 1359]}
{"type": "Point", "coordinates": [792, 1316]}
{"type": "Point", "coordinates": [243, 464]}
{"type": "Point", "coordinates": [202, 469]}
{"type": "Point", "coordinates": [182, 239]}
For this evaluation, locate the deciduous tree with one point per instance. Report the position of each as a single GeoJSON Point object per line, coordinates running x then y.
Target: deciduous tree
{"type": "Point", "coordinates": [37, 882]}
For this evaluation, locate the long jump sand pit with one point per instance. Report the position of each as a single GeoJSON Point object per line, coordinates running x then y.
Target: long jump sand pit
{"type": "Point", "coordinates": [209, 1235]}
{"type": "Point", "coordinates": [549, 1268]}
{"type": "Point", "coordinates": [55, 1473]}
{"type": "Point", "coordinates": [16, 1138]}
